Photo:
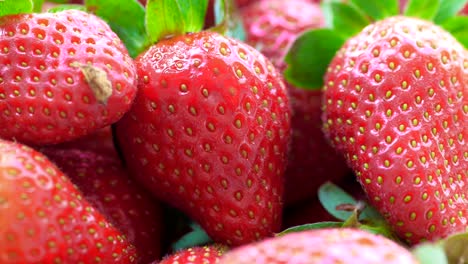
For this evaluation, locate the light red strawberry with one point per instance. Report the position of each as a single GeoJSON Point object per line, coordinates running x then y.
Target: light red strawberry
{"type": "Point", "coordinates": [343, 245]}
{"type": "Point", "coordinates": [45, 219]}
{"type": "Point", "coordinates": [62, 75]}
{"type": "Point", "coordinates": [106, 185]}
{"type": "Point", "coordinates": [395, 104]}
{"type": "Point", "coordinates": [209, 133]}
{"type": "Point", "coordinates": [197, 255]}
{"type": "Point", "coordinates": [271, 27]}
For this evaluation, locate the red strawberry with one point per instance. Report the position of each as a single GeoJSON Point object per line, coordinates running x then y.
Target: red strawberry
{"type": "Point", "coordinates": [272, 26]}
{"type": "Point", "coordinates": [44, 219]}
{"type": "Point", "coordinates": [208, 134]}
{"type": "Point", "coordinates": [344, 246]}
{"type": "Point", "coordinates": [105, 184]}
{"type": "Point", "coordinates": [395, 104]}
{"type": "Point", "coordinates": [196, 255]}
{"type": "Point", "coordinates": [62, 75]}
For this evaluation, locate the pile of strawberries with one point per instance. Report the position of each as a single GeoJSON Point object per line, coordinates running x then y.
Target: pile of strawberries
{"type": "Point", "coordinates": [116, 131]}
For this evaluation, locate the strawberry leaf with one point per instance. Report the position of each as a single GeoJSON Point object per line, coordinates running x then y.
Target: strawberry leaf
{"type": "Point", "coordinates": [165, 18]}
{"type": "Point", "coordinates": [458, 27]}
{"type": "Point", "coordinates": [318, 225]}
{"type": "Point", "coordinates": [424, 9]}
{"type": "Point", "coordinates": [377, 9]}
{"type": "Point", "coordinates": [309, 57]}
{"type": "Point", "coordinates": [228, 19]}
{"type": "Point", "coordinates": [13, 7]}
{"type": "Point", "coordinates": [331, 196]}
{"type": "Point", "coordinates": [346, 19]}
{"type": "Point", "coordinates": [456, 248]}
{"type": "Point", "coordinates": [126, 18]}
{"type": "Point", "coordinates": [66, 7]}
{"type": "Point", "coordinates": [448, 9]}
{"type": "Point", "coordinates": [196, 237]}
{"type": "Point", "coordinates": [428, 253]}
{"type": "Point", "coordinates": [37, 5]}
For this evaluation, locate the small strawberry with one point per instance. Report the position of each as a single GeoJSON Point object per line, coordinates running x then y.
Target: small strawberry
{"type": "Point", "coordinates": [343, 245]}
{"type": "Point", "coordinates": [197, 255]}
{"type": "Point", "coordinates": [209, 132]}
{"type": "Point", "coordinates": [272, 26]}
{"type": "Point", "coordinates": [105, 184]}
{"type": "Point", "coordinates": [62, 75]}
{"type": "Point", "coordinates": [45, 219]}
{"type": "Point", "coordinates": [395, 105]}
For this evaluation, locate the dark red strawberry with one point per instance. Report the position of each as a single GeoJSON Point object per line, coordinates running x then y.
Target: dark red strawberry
{"type": "Point", "coordinates": [209, 132]}
{"type": "Point", "coordinates": [345, 246]}
{"type": "Point", "coordinates": [105, 184]}
{"type": "Point", "coordinates": [62, 75]}
{"type": "Point", "coordinates": [395, 105]}
{"type": "Point", "coordinates": [45, 219]}
{"type": "Point", "coordinates": [197, 255]}
{"type": "Point", "coordinates": [272, 26]}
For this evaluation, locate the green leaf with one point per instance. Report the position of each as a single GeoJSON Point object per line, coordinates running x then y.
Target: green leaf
{"type": "Point", "coordinates": [196, 237]}
{"type": "Point", "coordinates": [37, 5]}
{"type": "Point", "coordinates": [346, 19]}
{"type": "Point", "coordinates": [310, 56]}
{"type": "Point", "coordinates": [228, 20]}
{"type": "Point", "coordinates": [427, 253]}
{"type": "Point", "coordinates": [424, 9]}
{"type": "Point", "coordinates": [331, 196]}
{"type": "Point", "coordinates": [126, 18]}
{"type": "Point", "coordinates": [458, 27]}
{"type": "Point", "coordinates": [13, 7]}
{"type": "Point", "coordinates": [305, 227]}
{"type": "Point", "coordinates": [174, 17]}
{"type": "Point", "coordinates": [456, 248]}
{"type": "Point", "coordinates": [378, 9]}
{"type": "Point", "coordinates": [59, 8]}
{"type": "Point", "coordinates": [448, 9]}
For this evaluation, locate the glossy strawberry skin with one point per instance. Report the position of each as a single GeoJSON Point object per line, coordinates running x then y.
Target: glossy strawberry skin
{"type": "Point", "coordinates": [342, 245]}
{"type": "Point", "coordinates": [106, 185]}
{"type": "Point", "coordinates": [197, 255]}
{"type": "Point", "coordinates": [395, 105]}
{"type": "Point", "coordinates": [209, 132]}
{"type": "Point", "coordinates": [272, 26]}
{"type": "Point", "coordinates": [47, 65]}
{"type": "Point", "coordinates": [44, 218]}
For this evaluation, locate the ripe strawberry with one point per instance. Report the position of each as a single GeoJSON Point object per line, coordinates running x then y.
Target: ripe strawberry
{"type": "Point", "coordinates": [105, 184]}
{"type": "Point", "coordinates": [395, 104]}
{"type": "Point", "coordinates": [322, 246]}
{"type": "Point", "coordinates": [272, 26]}
{"type": "Point", "coordinates": [44, 219]}
{"type": "Point", "coordinates": [197, 255]}
{"type": "Point", "coordinates": [208, 134]}
{"type": "Point", "coordinates": [62, 75]}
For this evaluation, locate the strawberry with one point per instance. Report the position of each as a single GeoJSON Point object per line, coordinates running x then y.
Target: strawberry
{"type": "Point", "coordinates": [395, 105]}
{"type": "Point", "coordinates": [44, 218]}
{"type": "Point", "coordinates": [62, 75]}
{"type": "Point", "coordinates": [104, 183]}
{"type": "Point", "coordinates": [344, 245]}
{"type": "Point", "coordinates": [196, 255]}
{"type": "Point", "coordinates": [272, 26]}
{"type": "Point", "coordinates": [208, 134]}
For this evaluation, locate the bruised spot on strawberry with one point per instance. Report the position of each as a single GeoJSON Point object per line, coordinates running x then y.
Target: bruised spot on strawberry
{"type": "Point", "coordinates": [97, 81]}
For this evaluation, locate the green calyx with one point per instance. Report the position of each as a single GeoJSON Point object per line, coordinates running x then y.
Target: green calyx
{"type": "Point", "coordinates": [312, 52]}
{"type": "Point", "coordinates": [14, 7]}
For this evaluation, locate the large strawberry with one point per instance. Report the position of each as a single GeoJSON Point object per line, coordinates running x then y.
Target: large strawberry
{"type": "Point", "coordinates": [396, 105]}
{"type": "Point", "coordinates": [208, 133]}
{"type": "Point", "coordinates": [62, 75]}
{"type": "Point", "coordinates": [272, 26]}
{"type": "Point", "coordinates": [105, 184]}
{"type": "Point", "coordinates": [45, 219]}
{"type": "Point", "coordinates": [344, 246]}
{"type": "Point", "coordinates": [197, 255]}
